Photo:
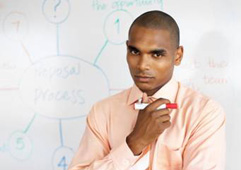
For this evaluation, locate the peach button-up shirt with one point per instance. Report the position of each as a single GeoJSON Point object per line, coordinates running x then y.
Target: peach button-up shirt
{"type": "Point", "coordinates": [194, 141]}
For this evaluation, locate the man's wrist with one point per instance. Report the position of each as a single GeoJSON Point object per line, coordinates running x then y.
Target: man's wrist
{"type": "Point", "coordinates": [135, 145]}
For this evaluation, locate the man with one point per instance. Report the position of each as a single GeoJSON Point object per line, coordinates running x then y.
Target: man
{"type": "Point", "coordinates": [119, 137]}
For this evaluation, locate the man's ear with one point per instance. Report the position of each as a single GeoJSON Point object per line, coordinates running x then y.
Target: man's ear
{"type": "Point", "coordinates": [127, 42]}
{"type": "Point", "coordinates": [178, 56]}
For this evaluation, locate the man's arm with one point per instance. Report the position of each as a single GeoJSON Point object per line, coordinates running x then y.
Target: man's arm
{"type": "Point", "coordinates": [206, 147]}
{"type": "Point", "coordinates": [94, 151]}
{"type": "Point", "coordinates": [150, 124]}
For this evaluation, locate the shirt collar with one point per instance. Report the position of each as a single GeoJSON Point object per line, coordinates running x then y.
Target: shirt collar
{"type": "Point", "coordinates": [168, 91]}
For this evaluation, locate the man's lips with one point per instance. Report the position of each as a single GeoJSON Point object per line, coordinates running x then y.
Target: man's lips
{"type": "Point", "coordinates": [143, 78]}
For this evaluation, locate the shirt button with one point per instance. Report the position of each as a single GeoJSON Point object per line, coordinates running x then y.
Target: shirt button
{"type": "Point", "coordinates": [126, 162]}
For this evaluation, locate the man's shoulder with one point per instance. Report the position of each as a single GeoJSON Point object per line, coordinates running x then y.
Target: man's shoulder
{"type": "Point", "coordinates": [199, 110]}
{"type": "Point", "coordinates": [189, 93]}
{"type": "Point", "coordinates": [195, 98]}
{"type": "Point", "coordinates": [102, 109]}
{"type": "Point", "coordinates": [120, 97]}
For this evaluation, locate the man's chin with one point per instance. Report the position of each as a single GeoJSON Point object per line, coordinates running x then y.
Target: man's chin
{"type": "Point", "coordinates": [148, 88]}
{"type": "Point", "coordinates": [144, 87]}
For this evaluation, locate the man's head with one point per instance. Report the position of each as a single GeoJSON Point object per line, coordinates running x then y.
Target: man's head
{"type": "Point", "coordinates": [153, 50]}
{"type": "Point", "coordinates": [158, 20]}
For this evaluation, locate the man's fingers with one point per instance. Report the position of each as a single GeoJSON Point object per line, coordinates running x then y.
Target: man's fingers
{"type": "Point", "coordinates": [165, 118]}
{"type": "Point", "coordinates": [166, 124]}
{"type": "Point", "coordinates": [159, 113]}
{"type": "Point", "coordinates": [154, 105]}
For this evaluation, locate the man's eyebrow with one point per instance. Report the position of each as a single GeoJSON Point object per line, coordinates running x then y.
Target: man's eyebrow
{"type": "Point", "coordinates": [158, 51]}
{"type": "Point", "coordinates": [132, 48]}
{"type": "Point", "coordinates": [154, 51]}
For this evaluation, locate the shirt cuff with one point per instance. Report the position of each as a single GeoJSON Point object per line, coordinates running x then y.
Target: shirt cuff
{"type": "Point", "coordinates": [122, 156]}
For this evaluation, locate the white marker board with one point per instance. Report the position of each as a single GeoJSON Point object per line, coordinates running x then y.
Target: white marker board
{"type": "Point", "coordinates": [58, 57]}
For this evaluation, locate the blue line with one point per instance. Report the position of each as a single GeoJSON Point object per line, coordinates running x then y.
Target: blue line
{"type": "Point", "coordinates": [30, 123]}
{"type": "Point", "coordinates": [57, 39]}
{"type": "Point", "coordinates": [61, 133]}
{"type": "Point", "coordinates": [101, 50]}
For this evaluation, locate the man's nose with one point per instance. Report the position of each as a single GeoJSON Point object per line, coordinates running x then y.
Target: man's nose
{"type": "Point", "coordinates": [144, 62]}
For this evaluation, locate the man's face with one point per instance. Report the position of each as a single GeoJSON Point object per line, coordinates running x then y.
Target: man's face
{"type": "Point", "coordinates": [151, 56]}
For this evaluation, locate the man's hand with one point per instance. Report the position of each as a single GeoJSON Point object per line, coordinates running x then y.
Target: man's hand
{"type": "Point", "coordinates": [150, 124]}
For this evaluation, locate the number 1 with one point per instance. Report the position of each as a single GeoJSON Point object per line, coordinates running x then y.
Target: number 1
{"type": "Point", "coordinates": [20, 143]}
{"type": "Point", "coordinates": [117, 22]}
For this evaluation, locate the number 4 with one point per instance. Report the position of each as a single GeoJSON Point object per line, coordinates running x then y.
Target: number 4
{"type": "Point", "coordinates": [62, 163]}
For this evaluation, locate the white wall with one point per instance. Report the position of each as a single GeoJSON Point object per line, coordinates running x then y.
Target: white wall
{"type": "Point", "coordinates": [58, 57]}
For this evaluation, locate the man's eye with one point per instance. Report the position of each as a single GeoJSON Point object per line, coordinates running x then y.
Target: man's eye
{"type": "Point", "coordinates": [134, 52]}
{"type": "Point", "coordinates": [157, 55]}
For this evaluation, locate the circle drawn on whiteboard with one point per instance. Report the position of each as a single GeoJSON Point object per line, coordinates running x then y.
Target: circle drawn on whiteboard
{"type": "Point", "coordinates": [15, 25]}
{"type": "Point", "coordinates": [20, 146]}
{"type": "Point", "coordinates": [62, 158]}
{"type": "Point", "coordinates": [116, 26]}
{"type": "Point", "coordinates": [63, 87]}
{"type": "Point", "coordinates": [56, 11]}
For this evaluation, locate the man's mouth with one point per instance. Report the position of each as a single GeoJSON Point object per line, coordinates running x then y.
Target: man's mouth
{"type": "Point", "coordinates": [143, 78]}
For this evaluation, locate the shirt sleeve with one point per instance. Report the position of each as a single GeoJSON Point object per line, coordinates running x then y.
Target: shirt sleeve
{"type": "Point", "coordinates": [94, 152]}
{"type": "Point", "coordinates": [206, 147]}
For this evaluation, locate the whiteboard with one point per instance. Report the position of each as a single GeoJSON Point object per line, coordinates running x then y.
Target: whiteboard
{"type": "Point", "coordinates": [59, 57]}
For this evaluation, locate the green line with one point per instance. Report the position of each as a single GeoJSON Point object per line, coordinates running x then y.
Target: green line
{"type": "Point", "coordinates": [161, 4]}
{"type": "Point", "coordinates": [101, 50]}
{"type": "Point", "coordinates": [30, 123]}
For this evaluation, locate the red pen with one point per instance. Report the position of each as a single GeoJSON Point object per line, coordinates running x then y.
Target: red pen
{"type": "Point", "coordinates": [141, 106]}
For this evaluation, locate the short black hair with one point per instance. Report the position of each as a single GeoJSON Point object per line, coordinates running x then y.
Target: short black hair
{"type": "Point", "coordinates": [158, 20]}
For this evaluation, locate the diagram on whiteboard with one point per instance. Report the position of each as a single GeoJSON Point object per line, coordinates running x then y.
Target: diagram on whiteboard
{"type": "Point", "coordinates": [61, 87]}
{"type": "Point", "coordinates": [59, 57]}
